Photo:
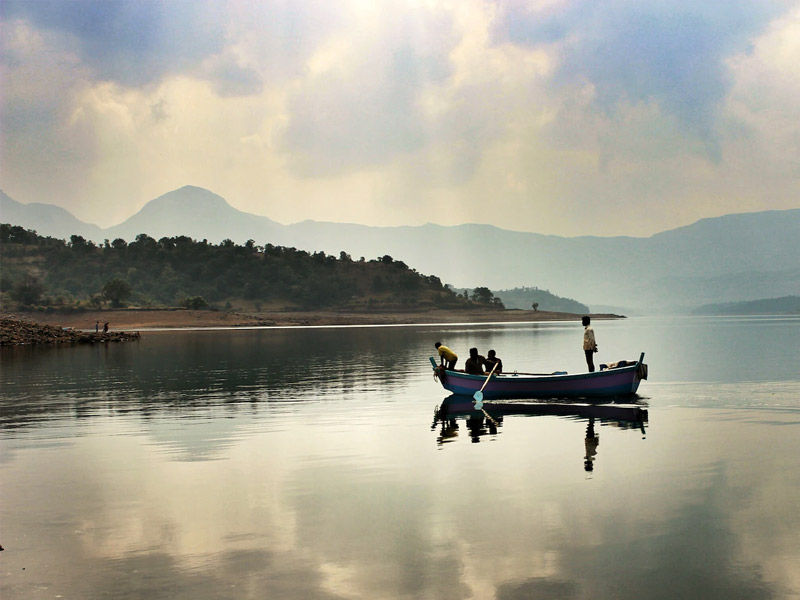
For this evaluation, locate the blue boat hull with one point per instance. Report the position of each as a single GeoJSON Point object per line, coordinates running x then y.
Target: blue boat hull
{"type": "Point", "coordinates": [620, 381]}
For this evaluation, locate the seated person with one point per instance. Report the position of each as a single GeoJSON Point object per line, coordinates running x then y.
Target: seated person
{"type": "Point", "coordinates": [491, 359]}
{"type": "Point", "coordinates": [475, 362]}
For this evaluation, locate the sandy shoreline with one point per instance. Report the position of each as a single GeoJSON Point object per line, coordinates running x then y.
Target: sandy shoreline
{"type": "Point", "coordinates": [131, 320]}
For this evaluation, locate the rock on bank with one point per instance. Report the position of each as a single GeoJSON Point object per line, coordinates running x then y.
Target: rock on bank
{"type": "Point", "coordinates": [15, 332]}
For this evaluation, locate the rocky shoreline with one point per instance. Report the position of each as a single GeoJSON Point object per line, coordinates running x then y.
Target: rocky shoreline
{"type": "Point", "coordinates": [16, 332]}
{"type": "Point", "coordinates": [142, 319]}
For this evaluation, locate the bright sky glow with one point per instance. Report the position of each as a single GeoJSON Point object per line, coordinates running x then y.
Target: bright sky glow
{"type": "Point", "coordinates": [566, 117]}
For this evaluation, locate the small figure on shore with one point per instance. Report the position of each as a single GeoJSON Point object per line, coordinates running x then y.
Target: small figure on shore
{"type": "Point", "coordinates": [105, 327]}
{"type": "Point", "coordinates": [589, 343]}
{"type": "Point", "coordinates": [97, 326]}
{"type": "Point", "coordinates": [491, 360]}
{"type": "Point", "coordinates": [475, 363]}
{"type": "Point", "coordinates": [445, 354]}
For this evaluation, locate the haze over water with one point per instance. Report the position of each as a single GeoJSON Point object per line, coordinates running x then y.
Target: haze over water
{"type": "Point", "coordinates": [304, 463]}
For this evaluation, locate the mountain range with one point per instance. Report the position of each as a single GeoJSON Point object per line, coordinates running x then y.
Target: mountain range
{"type": "Point", "coordinates": [731, 258]}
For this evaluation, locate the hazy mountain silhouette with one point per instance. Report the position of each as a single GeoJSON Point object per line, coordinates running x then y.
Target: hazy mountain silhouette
{"type": "Point", "coordinates": [197, 213]}
{"type": "Point", "coordinates": [46, 219]}
{"type": "Point", "coordinates": [788, 305]}
{"type": "Point", "coordinates": [724, 259]}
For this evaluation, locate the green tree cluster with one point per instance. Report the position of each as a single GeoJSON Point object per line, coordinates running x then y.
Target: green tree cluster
{"type": "Point", "coordinates": [483, 295]}
{"type": "Point", "coordinates": [182, 271]}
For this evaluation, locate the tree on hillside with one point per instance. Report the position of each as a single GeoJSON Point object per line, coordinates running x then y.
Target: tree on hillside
{"type": "Point", "coordinates": [116, 291]}
{"type": "Point", "coordinates": [79, 242]}
{"type": "Point", "coordinates": [194, 303]}
{"type": "Point", "coordinates": [28, 290]}
{"type": "Point", "coordinates": [17, 235]}
{"type": "Point", "coordinates": [482, 295]}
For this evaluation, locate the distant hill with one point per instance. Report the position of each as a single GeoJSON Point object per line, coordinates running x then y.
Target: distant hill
{"type": "Point", "coordinates": [524, 298]}
{"type": "Point", "coordinates": [788, 305]}
{"type": "Point", "coordinates": [46, 218]}
{"type": "Point", "coordinates": [728, 258]}
{"type": "Point", "coordinates": [196, 213]}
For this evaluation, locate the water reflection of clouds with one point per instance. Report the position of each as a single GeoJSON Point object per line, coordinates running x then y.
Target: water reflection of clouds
{"type": "Point", "coordinates": [333, 487]}
{"type": "Point", "coordinates": [691, 551]}
{"type": "Point", "coordinates": [540, 588]}
{"type": "Point", "coordinates": [314, 518]}
{"type": "Point", "coordinates": [198, 374]}
{"type": "Point", "coordinates": [229, 574]}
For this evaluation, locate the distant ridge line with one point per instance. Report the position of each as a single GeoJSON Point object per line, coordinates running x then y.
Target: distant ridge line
{"type": "Point", "coordinates": [717, 259]}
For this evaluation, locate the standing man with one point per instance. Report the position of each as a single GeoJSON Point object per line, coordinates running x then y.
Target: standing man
{"type": "Point", "coordinates": [589, 343]}
{"type": "Point", "coordinates": [445, 354]}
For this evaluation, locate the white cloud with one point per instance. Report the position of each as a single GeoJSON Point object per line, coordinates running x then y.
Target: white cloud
{"type": "Point", "coordinates": [399, 114]}
{"type": "Point", "coordinates": [43, 153]}
{"type": "Point", "coordinates": [356, 105]}
{"type": "Point", "coordinates": [763, 101]}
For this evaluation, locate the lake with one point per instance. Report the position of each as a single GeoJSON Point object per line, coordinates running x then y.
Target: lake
{"type": "Point", "coordinates": [306, 463]}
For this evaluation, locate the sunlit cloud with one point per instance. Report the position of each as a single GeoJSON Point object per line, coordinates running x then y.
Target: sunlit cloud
{"type": "Point", "coordinates": [557, 117]}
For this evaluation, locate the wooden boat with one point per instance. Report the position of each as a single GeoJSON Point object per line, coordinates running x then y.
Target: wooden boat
{"type": "Point", "coordinates": [615, 381]}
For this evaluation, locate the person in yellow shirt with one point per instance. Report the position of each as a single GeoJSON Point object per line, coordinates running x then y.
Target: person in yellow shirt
{"type": "Point", "coordinates": [445, 354]}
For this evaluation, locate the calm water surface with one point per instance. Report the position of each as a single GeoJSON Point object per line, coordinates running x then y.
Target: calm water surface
{"type": "Point", "coordinates": [305, 463]}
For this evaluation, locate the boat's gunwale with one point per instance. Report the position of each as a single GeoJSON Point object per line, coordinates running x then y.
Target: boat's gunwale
{"type": "Point", "coordinates": [543, 377]}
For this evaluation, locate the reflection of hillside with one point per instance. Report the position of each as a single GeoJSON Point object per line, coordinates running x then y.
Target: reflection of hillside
{"type": "Point", "coordinates": [178, 372]}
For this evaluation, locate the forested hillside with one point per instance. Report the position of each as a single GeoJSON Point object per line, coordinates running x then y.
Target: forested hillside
{"type": "Point", "coordinates": [180, 271]}
{"type": "Point", "coordinates": [787, 305]}
{"type": "Point", "coordinates": [526, 298]}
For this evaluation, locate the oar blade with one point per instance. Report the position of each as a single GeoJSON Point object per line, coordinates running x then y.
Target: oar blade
{"type": "Point", "coordinates": [478, 396]}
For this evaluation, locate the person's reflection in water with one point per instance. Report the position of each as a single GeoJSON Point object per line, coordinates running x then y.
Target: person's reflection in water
{"type": "Point", "coordinates": [449, 431]}
{"type": "Point", "coordinates": [478, 423]}
{"type": "Point", "coordinates": [590, 443]}
{"type": "Point", "coordinates": [475, 424]}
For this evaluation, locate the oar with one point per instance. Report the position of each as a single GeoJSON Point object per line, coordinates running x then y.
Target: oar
{"type": "Point", "coordinates": [479, 394]}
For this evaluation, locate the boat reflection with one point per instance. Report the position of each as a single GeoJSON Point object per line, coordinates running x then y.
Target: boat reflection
{"type": "Point", "coordinates": [478, 422]}
{"type": "Point", "coordinates": [489, 420]}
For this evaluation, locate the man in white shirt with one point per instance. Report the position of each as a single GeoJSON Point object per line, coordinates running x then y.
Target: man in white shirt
{"type": "Point", "coordinates": [589, 343]}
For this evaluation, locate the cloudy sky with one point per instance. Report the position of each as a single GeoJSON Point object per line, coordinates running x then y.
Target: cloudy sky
{"type": "Point", "coordinates": [566, 117]}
